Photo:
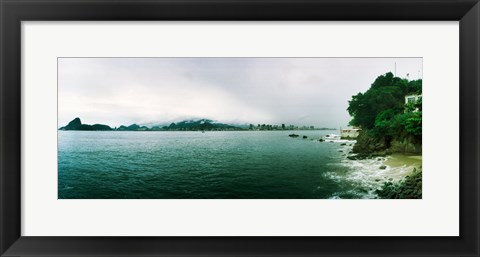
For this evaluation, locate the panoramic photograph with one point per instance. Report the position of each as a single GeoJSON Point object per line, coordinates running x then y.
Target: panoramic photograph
{"type": "Point", "coordinates": [239, 128]}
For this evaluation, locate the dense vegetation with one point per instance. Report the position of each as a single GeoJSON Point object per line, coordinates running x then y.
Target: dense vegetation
{"type": "Point", "coordinates": [408, 188]}
{"type": "Point", "coordinates": [384, 117]}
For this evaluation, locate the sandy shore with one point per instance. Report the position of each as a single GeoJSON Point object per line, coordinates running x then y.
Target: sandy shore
{"type": "Point", "coordinates": [399, 166]}
{"type": "Point", "coordinates": [402, 160]}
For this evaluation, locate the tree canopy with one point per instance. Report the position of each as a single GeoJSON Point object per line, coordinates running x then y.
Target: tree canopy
{"type": "Point", "coordinates": [382, 109]}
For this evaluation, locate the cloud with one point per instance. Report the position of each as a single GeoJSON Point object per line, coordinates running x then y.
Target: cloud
{"type": "Point", "coordinates": [301, 91]}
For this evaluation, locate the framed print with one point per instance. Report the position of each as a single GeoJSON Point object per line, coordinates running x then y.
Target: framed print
{"type": "Point", "coordinates": [239, 128]}
{"type": "Point", "coordinates": [231, 123]}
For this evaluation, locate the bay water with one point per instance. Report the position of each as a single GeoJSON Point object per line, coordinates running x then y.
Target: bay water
{"type": "Point", "coordinates": [211, 165]}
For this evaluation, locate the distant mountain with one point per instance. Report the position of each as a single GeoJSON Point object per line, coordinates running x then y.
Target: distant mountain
{"type": "Point", "coordinates": [76, 124]}
{"type": "Point", "coordinates": [133, 127]}
{"type": "Point", "coordinates": [186, 125]}
{"type": "Point", "coordinates": [202, 124]}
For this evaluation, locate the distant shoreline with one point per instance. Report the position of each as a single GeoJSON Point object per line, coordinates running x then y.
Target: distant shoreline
{"type": "Point", "coordinates": [186, 125]}
{"type": "Point", "coordinates": [246, 130]}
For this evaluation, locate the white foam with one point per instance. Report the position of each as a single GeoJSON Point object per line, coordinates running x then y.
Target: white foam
{"type": "Point", "coordinates": [368, 175]}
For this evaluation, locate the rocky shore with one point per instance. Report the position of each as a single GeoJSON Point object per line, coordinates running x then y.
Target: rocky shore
{"type": "Point", "coordinates": [394, 172]}
{"type": "Point", "coordinates": [368, 144]}
{"type": "Point", "coordinates": [409, 187]}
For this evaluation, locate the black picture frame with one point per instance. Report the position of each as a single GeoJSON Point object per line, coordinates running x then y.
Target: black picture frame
{"type": "Point", "coordinates": [13, 12]}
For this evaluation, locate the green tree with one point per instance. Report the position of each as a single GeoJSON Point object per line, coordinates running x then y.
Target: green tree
{"type": "Point", "coordinates": [382, 110]}
{"type": "Point", "coordinates": [413, 123]}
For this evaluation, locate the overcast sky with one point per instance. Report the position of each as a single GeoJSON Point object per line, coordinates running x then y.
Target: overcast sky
{"type": "Point", "coordinates": [299, 91]}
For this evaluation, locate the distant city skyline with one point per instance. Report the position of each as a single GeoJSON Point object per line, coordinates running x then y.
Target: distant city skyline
{"type": "Point", "coordinates": [150, 91]}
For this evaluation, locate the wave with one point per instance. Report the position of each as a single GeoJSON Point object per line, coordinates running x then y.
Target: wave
{"type": "Point", "coordinates": [366, 176]}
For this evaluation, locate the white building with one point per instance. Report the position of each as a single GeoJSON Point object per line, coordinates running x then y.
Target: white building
{"type": "Point", "coordinates": [411, 99]}
{"type": "Point", "coordinates": [349, 133]}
